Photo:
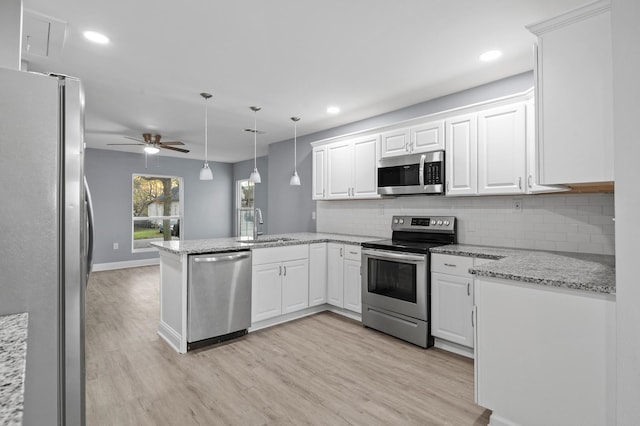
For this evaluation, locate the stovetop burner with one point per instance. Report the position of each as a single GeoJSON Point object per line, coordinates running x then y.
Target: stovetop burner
{"type": "Point", "coordinates": [417, 234]}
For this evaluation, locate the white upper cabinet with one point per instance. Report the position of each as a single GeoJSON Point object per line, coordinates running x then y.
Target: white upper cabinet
{"type": "Point", "coordinates": [339, 170]}
{"type": "Point", "coordinates": [394, 143]}
{"type": "Point", "coordinates": [532, 185]}
{"type": "Point", "coordinates": [461, 155]}
{"type": "Point", "coordinates": [574, 96]}
{"type": "Point", "coordinates": [319, 180]}
{"type": "Point", "coordinates": [501, 150]}
{"type": "Point", "coordinates": [352, 169]}
{"type": "Point", "coordinates": [365, 171]}
{"type": "Point", "coordinates": [427, 137]}
{"type": "Point", "coordinates": [413, 140]}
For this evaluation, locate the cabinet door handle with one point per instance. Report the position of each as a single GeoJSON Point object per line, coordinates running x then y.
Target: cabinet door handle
{"type": "Point", "coordinates": [340, 251]}
{"type": "Point", "coordinates": [529, 182]}
{"type": "Point", "coordinates": [447, 186]}
{"type": "Point", "coordinates": [468, 289]}
{"type": "Point", "coordinates": [279, 270]}
{"type": "Point", "coordinates": [520, 182]}
{"type": "Point", "coordinates": [451, 265]}
{"type": "Point", "coordinates": [406, 146]}
{"type": "Point", "coordinates": [285, 271]}
{"type": "Point", "coordinates": [353, 252]}
{"type": "Point", "coordinates": [472, 324]}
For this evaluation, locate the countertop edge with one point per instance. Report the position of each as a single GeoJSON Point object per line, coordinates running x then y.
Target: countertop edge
{"type": "Point", "coordinates": [515, 259]}
{"type": "Point", "coordinates": [13, 340]}
{"type": "Point", "coordinates": [237, 246]}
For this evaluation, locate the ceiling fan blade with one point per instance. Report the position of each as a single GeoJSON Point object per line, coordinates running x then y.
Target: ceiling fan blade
{"type": "Point", "coordinates": [136, 144]}
{"type": "Point", "coordinates": [134, 139]}
{"type": "Point", "coordinates": [174, 149]}
{"type": "Point", "coordinates": [172, 143]}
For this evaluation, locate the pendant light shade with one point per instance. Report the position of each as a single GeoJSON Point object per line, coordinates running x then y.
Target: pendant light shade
{"type": "Point", "coordinates": [205, 171]}
{"type": "Point", "coordinates": [295, 179]}
{"type": "Point", "coordinates": [255, 174]}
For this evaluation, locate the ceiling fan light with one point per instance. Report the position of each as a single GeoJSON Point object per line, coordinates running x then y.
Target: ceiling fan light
{"type": "Point", "coordinates": [255, 176]}
{"type": "Point", "coordinates": [295, 179]}
{"type": "Point", "coordinates": [151, 149]}
{"type": "Point", "coordinates": [205, 172]}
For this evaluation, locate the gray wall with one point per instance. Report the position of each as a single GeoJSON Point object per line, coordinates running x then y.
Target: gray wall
{"type": "Point", "coordinates": [208, 205]}
{"type": "Point", "coordinates": [242, 170]}
{"type": "Point", "coordinates": [290, 208]}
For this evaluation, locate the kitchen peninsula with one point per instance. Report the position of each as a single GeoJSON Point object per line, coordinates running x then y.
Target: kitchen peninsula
{"type": "Point", "coordinates": [322, 255]}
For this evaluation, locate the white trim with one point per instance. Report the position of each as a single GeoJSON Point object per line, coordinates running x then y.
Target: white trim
{"type": "Point", "coordinates": [170, 336]}
{"type": "Point", "coordinates": [126, 264]}
{"type": "Point", "coordinates": [453, 347]}
{"type": "Point", "coordinates": [496, 420]}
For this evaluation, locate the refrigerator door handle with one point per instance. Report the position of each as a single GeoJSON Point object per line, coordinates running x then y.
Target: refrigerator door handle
{"type": "Point", "coordinates": [90, 229]}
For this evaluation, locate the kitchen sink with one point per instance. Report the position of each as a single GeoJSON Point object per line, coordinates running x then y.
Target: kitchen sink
{"type": "Point", "coordinates": [266, 240]}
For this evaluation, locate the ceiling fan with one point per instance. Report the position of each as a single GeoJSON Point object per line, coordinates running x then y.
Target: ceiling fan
{"type": "Point", "coordinates": [152, 144]}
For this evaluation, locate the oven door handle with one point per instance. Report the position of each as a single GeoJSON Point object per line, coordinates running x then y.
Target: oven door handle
{"type": "Point", "coordinates": [421, 176]}
{"type": "Point", "coordinates": [384, 255]}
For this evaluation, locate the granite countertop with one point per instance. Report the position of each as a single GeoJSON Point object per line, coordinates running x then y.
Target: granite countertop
{"type": "Point", "coordinates": [579, 271]}
{"type": "Point", "coordinates": [232, 244]}
{"type": "Point", "coordinates": [13, 354]}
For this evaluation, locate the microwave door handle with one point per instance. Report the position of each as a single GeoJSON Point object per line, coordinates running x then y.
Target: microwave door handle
{"type": "Point", "coordinates": [421, 176]}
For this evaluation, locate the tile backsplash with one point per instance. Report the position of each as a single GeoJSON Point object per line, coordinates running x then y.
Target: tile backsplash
{"type": "Point", "coordinates": [574, 222]}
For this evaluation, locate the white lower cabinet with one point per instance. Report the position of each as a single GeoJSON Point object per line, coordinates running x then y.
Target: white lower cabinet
{"type": "Point", "coordinates": [344, 281]}
{"type": "Point", "coordinates": [266, 293]}
{"type": "Point", "coordinates": [544, 355]}
{"type": "Point", "coordinates": [317, 274]}
{"type": "Point", "coordinates": [280, 281]}
{"type": "Point", "coordinates": [451, 308]}
{"type": "Point", "coordinates": [452, 298]}
{"type": "Point", "coordinates": [295, 285]}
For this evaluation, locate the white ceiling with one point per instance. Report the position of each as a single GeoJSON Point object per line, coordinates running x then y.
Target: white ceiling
{"type": "Point", "coordinates": [291, 57]}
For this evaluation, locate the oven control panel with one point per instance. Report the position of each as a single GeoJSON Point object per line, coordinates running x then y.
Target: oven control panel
{"type": "Point", "coordinates": [424, 223]}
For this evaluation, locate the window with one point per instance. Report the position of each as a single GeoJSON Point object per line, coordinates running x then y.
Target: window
{"type": "Point", "coordinates": [244, 208]}
{"type": "Point", "coordinates": [156, 210]}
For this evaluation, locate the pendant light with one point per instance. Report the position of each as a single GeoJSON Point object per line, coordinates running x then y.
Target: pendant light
{"type": "Point", "coordinates": [295, 179]}
{"type": "Point", "coordinates": [205, 171]}
{"type": "Point", "coordinates": [255, 174]}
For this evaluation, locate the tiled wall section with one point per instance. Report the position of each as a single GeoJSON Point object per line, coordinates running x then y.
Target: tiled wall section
{"type": "Point", "coordinates": [576, 222]}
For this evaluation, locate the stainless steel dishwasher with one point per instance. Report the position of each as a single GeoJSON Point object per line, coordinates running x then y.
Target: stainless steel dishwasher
{"type": "Point", "coordinates": [219, 297]}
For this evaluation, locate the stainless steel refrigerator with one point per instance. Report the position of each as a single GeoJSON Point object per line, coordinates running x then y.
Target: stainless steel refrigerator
{"type": "Point", "coordinates": [45, 227]}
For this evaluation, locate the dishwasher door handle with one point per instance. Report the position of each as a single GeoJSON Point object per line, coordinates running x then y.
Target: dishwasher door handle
{"type": "Point", "coordinates": [222, 258]}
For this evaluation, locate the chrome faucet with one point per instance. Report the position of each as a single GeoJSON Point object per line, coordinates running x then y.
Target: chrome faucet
{"type": "Point", "coordinates": [257, 220]}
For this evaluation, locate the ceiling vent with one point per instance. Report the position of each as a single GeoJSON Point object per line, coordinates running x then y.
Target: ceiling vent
{"type": "Point", "coordinates": [42, 36]}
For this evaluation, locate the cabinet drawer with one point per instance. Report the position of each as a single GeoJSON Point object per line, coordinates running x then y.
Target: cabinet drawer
{"type": "Point", "coordinates": [280, 254]}
{"type": "Point", "coordinates": [453, 265]}
{"type": "Point", "coordinates": [352, 252]}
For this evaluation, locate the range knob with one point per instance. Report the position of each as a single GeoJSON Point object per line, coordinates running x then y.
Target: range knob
{"type": "Point", "coordinates": [401, 221]}
{"type": "Point", "coordinates": [433, 222]}
{"type": "Point", "coordinates": [439, 223]}
{"type": "Point", "coordinates": [395, 221]}
{"type": "Point", "coordinates": [446, 223]}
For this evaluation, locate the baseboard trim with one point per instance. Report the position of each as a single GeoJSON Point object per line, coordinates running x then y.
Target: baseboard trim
{"type": "Point", "coordinates": [453, 347]}
{"type": "Point", "coordinates": [123, 265]}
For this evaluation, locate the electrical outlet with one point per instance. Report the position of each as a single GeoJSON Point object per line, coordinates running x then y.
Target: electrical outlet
{"type": "Point", "coordinates": [313, 215]}
{"type": "Point", "coordinates": [517, 206]}
{"type": "Point", "coordinates": [115, 246]}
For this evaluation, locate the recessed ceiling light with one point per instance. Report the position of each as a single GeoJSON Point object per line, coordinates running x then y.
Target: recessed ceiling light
{"type": "Point", "coordinates": [490, 55]}
{"type": "Point", "coordinates": [333, 110]}
{"type": "Point", "coordinates": [96, 37]}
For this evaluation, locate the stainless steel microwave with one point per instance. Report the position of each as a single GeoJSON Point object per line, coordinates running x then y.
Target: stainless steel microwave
{"type": "Point", "coordinates": [412, 174]}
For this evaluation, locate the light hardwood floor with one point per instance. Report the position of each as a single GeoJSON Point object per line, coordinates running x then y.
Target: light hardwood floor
{"type": "Point", "coordinates": [323, 369]}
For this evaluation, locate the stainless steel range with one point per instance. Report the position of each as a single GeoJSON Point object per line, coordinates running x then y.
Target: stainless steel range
{"type": "Point", "coordinates": [396, 287]}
